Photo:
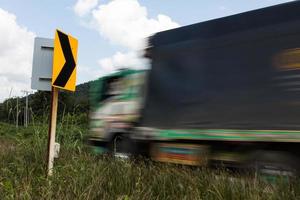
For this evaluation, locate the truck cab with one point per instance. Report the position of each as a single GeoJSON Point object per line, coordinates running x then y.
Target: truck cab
{"type": "Point", "coordinates": [116, 100]}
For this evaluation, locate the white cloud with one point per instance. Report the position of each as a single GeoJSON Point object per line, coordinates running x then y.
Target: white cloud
{"type": "Point", "coordinates": [82, 7]}
{"type": "Point", "coordinates": [121, 60]}
{"type": "Point", "coordinates": [127, 24]}
{"type": "Point", "coordinates": [16, 50]}
{"type": "Point", "coordinates": [87, 74]}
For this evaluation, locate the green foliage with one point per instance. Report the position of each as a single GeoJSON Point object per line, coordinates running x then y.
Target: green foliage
{"type": "Point", "coordinates": [76, 103]}
{"type": "Point", "coordinates": [78, 174]}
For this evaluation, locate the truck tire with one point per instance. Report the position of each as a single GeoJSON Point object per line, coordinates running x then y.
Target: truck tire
{"type": "Point", "coordinates": [121, 146]}
{"type": "Point", "coordinates": [274, 164]}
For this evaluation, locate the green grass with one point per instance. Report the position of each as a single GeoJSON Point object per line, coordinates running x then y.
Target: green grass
{"type": "Point", "coordinates": [79, 174]}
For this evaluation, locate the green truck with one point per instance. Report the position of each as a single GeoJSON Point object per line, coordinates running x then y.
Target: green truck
{"type": "Point", "coordinates": [225, 91]}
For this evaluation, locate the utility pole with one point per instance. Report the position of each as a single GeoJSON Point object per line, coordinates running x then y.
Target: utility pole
{"type": "Point", "coordinates": [26, 108]}
{"type": "Point", "coordinates": [24, 116]}
{"type": "Point", "coordinates": [17, 120]}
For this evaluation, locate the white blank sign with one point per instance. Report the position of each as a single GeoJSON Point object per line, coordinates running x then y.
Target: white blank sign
{"type": "Point", "coordinates": [42, 64]}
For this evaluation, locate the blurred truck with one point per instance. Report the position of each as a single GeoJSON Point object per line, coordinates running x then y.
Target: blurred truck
{"type": "Point", "coordinates": [225, 91]}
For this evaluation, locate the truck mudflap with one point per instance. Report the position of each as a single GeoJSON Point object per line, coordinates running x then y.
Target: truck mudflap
{"type": "Point", "coordinates": [187, 154]}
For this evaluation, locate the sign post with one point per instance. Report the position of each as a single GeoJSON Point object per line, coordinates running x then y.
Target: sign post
{"type": "Point", "coordinates": [63, 77]}
{"type": "Point", "coordinates": [52, 129]}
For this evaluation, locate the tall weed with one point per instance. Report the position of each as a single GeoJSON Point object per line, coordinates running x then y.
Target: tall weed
{"type": "Point", "coordinates": [79, 174]}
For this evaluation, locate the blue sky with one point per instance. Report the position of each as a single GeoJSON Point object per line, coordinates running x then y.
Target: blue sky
{"type": "Point", "coordinates": [102, 43]}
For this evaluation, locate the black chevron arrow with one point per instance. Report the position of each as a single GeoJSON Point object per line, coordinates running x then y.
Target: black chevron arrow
{"type": "Point", "coordinates": [69, 65]}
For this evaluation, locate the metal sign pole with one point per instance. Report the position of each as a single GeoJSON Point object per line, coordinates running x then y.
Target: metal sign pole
{"type": "Point", "coordinates": [52, 129]}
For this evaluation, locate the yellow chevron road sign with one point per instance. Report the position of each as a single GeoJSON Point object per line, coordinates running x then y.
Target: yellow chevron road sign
{"type": "Point", "coordinates": [64, 61]}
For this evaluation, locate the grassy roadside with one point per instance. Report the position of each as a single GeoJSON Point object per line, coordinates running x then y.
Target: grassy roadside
{"type": "Point", "coordinates": [82, 175]}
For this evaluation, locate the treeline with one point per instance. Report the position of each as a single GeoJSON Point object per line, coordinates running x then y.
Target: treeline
{"type": "Point", "coordinates": [12, 110]}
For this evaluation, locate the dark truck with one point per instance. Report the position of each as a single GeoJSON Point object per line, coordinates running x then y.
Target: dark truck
{"type": "Point", "coordinates": [222, 91]}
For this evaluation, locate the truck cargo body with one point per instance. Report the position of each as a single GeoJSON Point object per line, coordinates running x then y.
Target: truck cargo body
{"type": "Point", "coordinates": [238, 79]}
{"type": "Point", "coordinates": [230, 85]}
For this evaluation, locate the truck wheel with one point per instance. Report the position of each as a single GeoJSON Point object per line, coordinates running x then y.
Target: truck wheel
{"type": "Point", "coordinates": [272, 165]}
{"type": "Point", "coordinates": [120, 146]}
